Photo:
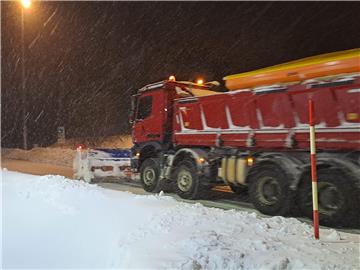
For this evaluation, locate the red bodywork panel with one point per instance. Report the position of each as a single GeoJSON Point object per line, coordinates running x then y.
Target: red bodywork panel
{"type": "Point", "coordinates": [271, 120]}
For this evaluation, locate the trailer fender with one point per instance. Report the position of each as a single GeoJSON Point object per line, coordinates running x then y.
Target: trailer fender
{"type": "Point", "coordinates": [293, 167]}
{"type": "Point", "coordinates": [335, 162]}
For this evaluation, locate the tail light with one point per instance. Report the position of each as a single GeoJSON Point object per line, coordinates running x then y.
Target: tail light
{"type": "Point", "coordinates": [80, 147]}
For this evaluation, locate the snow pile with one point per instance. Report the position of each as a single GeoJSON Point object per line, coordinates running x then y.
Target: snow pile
{"type": "Point", "coordinates": [63, 154]}
{"type": "Point", "coordinates": [52, 155]}
{"type": "Point", "coordinates": [116, 141]}
{"type": "Point", "coordinates": [53, 222]}
{"type": "Point", "coordinates": [120, 141]}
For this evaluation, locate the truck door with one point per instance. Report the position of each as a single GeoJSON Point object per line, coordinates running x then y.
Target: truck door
{"type": "Point", "coordinates": [150, 117]}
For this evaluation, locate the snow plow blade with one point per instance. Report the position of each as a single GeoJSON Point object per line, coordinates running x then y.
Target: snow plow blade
{"type": "Point", "coordinates": [90, 164]}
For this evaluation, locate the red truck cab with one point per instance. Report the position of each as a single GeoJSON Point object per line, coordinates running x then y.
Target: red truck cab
{"type": "Point", "coordinates": [152, 109]}
{"type": "Point", "coordinates": [151, 119]}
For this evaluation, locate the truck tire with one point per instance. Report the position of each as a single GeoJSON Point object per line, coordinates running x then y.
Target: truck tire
{"type": "Point", "coordinates": [336, 198]}
{"type": "Point", "coordinates": [187, 182]}
{"type": "Point", "coordinates": [269, 190]}
{"type": "Point", "coordinates": [150, 175]}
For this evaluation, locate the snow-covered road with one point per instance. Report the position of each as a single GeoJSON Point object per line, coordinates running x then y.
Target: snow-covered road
{"type": "Point", "coordinates": [52, 222]}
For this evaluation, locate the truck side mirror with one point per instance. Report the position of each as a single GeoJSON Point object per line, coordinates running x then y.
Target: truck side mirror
{"type": "Point", "coordinates": [131, 118]}
{"type": "Point", "coordinates": [132, 109]}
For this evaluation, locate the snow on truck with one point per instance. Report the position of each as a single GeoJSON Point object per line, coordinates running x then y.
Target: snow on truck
{"type": "Point", "coordinates": [188, 137]}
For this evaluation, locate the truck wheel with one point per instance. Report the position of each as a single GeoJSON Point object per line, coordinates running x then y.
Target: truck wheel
{"type": "Point", "coordinates": [237, 189]}
{"type": "Point", "coordinates": [269, 190]}
{"type": "Point", "coordinates": [150, 175]}
{"type": "Point", "coordinates": [187, 182]}
{"type": "Point", "coordinates": [335, 198]}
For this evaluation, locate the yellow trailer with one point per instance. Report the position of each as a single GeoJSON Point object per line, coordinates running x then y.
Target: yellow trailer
{"type": "Point", "coordinates": [307, 68]}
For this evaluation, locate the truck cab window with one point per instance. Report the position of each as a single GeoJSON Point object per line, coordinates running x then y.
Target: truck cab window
{"type": "Point", "coordinates": [144, 108]}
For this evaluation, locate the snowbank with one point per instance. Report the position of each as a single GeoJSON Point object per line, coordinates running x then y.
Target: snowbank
{"type": "Point", "coordinates": [53, 222]}
{"type": "Point", "coordinates": [51, 155]}
{"type": "Point", "coordinates": [63, 154]}
{"type": "Point", "coordinates": [116, 141]}
{"type": "Point", "coordinates": [120, 141]}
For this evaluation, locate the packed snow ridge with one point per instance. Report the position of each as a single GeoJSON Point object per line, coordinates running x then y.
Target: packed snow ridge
{"type": "Point", "coordinates": [53, 222]}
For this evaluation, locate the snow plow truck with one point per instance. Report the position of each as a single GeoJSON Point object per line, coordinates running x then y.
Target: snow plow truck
{"type": "Point", "coordinates": [189, 137]}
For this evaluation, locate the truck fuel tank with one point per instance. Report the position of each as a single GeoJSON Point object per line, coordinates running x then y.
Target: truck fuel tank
{"type": "Point", "coordinates": [234, 169]}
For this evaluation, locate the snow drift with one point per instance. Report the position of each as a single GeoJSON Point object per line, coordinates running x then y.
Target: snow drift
{"type": "Point", "coordinates": [53, 222]}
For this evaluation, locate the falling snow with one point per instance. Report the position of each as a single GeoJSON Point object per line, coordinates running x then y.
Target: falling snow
{"type": "Point", "coordinates": [84, 59]}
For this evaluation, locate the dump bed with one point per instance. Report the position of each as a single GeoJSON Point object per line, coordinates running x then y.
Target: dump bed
{"type": "Point", "coordinates": [273, 117]}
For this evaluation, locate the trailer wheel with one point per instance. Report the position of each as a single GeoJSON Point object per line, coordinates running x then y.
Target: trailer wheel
{"type": "Point", "coordinates": [187, 182]}
{"type": "Point", "coordinates": [150, 175]}
{"type": "Point", "coordinates": [335, 198]}
{"type": "Point", "coordinates": [269, 190]}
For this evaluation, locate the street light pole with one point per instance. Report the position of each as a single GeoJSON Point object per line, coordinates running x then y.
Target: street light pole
{"type": "Point", "coordinates": [25, 4]}
{"type": "Point", "coordinates": [23, 91]}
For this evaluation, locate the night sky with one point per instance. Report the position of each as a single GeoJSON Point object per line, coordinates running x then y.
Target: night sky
{"type": "Point", "coordinates": [85, 59]}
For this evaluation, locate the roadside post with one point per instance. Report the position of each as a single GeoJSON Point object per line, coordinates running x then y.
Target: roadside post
{"type": "Point", "coordinates": [313, 170]}
{"type": "Point", "coordinates": [61, 135]}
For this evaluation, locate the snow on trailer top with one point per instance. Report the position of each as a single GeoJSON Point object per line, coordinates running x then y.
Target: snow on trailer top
{"type": "Point", "coordinates": [184, 87]}
{"type": "Point", "coordinates": [317, 68]}
{"type": "Point", "coordinates": [191, 90]}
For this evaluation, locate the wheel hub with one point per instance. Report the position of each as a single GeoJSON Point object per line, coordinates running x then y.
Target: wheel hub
{"type": "Point", "coordinates": [149, 176]}
{"type": "Point", "coordinates": [330, 199]}
{"type": "Point", "coordinates": [268, 190]}
{"type": "Point", "coordinates": [184, 180]}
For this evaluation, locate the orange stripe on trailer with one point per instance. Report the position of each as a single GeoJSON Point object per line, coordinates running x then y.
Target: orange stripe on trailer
{"type": "Point", "coordinates": [222, 189]}
{"type": "Point", "coordinates": [299, 70]}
